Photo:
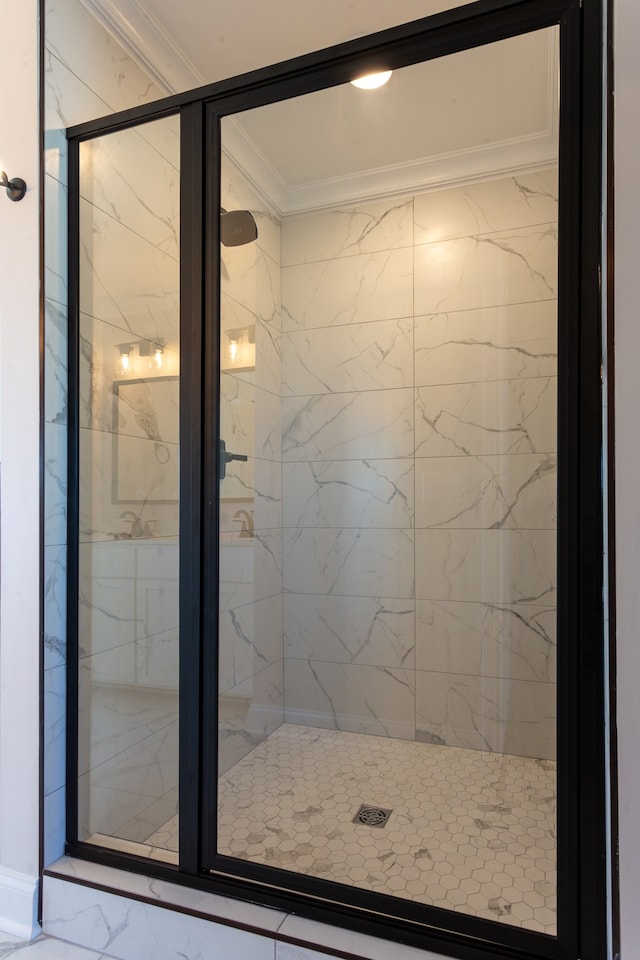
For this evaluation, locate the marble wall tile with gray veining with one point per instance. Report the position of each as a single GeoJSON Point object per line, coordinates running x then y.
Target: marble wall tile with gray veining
{"type": "Point", "coordinates": [361, 289]}
{"type": "Point", "coordinates": [126, 178]}
{"type": "Point", "coordinates": [102, 809]}
{"type": "Point", "coordinates": [248, 713]}
{"type": "Point", "coordinates": [116, 717]}
{"type": "Point", "coordinates": [100, 60]}
{"type": "Point", "coordinates": [262, 497]}
{"type": "Point", "coordinates": [250, 422]}
{"type": "Point", "coordinates": [144, 824]}
{"type": "Point", "coordinates": [67, 101]}
{"type": "Point", "coordinates": [494, 269]}
{"type": "Point", "coordinates": [236, 193]}
{"type": "Point", "coordinates": [145, 470]}
{"type": "Point", "coordinates": [267, 371]}
{"type": "Point", "coordinates": [484, 639]}
{"type": "Point", "coordinates": [364, 563]}
{"type": "Point", "coordinates": [517, 491]}
{"type": "Point", "coordinates": [486, 419]}
{"type": "Point", "coordinates": [250, 639]}
{"type": "Point", "coordinates": [490, 566]}
{"type": "Point", "coordinates": [287, 951]}
{"type": "Point", "coordinates": [484, 713]}
{"type": "Point", "coordinates": [348, 493]}
{"type": "Point", "coordinates": [370, 630]}
{"type": "Point", "coordinates": [496, 343]}
{"type": "Point", "coordinates": [55, 832]}
{"type": "Point", "coordinates": [348, 426]}
{"type": "Point", "coordinates": [70, 100]}
{"type": "Point", "coordinates": [518, 201]}
{"type": "Point", "coordinates": [55, 484]}
{"type": "Point", "coordinates": [148, 768]}
{"type": "Point", "coordinates": [124, 815]}
{"type": "Point", "coordinates": [55, 606]}
{"type": "Point", "coordinates": [55, 241]}
{"type": "Point", "coordinates": [55, 362]}
{"type": "Point", "coordinates": [107, 615]}
{"type": "Point", "coordinates": [354, 697]}
{"type": "Point", "coordinates": [367, 356]}
{"type": "Point", "coordinates": [55, 155]}
{"type": "Point", "coordinates": [236, 572]}
{"type": "Point", "coordinates": [147, 410]}
{"type": "Point", "coordinates": [125, 280]}
{"type": "Point", "coordinates": [519, 642]}
{"type": "Point", "coordinates": [55, 707]}
{"type": "Point", "coordinates": [345, 232]}
{"type": "Point", "coordinates": [250, 570]}
{"type": "Point", "coordinates": [249, 276]}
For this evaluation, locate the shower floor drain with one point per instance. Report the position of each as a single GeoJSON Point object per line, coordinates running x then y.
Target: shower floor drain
{"type": "Point", "coordinates": [372, 816]}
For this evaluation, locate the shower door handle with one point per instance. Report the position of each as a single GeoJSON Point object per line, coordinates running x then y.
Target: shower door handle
{"type": "Point", "coordinates": [224, 457]}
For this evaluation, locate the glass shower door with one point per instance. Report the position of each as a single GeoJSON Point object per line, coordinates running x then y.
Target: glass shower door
{"type": "Point", "coordinates": [128, 452]}
{"type": "Point", "coordinates": [388, 367]}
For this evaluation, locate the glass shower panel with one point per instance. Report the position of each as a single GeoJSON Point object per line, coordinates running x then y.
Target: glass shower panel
{"type": "Point", "coordinates": [128, 456]}
{"type": "Point", "coordinates": [387, 694]}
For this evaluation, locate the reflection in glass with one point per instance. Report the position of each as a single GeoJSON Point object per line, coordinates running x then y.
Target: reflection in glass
{"type": "Point", "coordinates": [129, 371]}
{"type": "Point", "coordinates": [387, 547]}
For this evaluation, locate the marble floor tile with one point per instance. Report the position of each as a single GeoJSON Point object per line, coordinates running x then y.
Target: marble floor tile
{"type": "Point", "coordinates": [470, 831]}
{"type": "Point", "coordinates": [44, 948]}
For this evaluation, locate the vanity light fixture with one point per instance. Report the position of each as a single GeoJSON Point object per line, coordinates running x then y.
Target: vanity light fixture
{"type": "Point", "coordinates": [371, 81]}
{"type": "Point", "coordinates": [152, 349]}
{"type": "Point", "coordinates": [16, 187]}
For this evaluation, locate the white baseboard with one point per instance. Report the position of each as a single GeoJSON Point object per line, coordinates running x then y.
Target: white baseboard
{"type": "Point", "coordinates": [19, 904]}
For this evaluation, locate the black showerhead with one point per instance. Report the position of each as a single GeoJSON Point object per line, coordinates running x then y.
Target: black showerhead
{"type": "Point", "coordinates": [237, 227]}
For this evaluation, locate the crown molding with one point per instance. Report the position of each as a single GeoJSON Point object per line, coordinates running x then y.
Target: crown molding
{"type": "Point", "coordinates": [147, 43]}
{"type": "Point", "coordinates": [510, 157]}
{"type": "Point", "coordinates": [154, 50]}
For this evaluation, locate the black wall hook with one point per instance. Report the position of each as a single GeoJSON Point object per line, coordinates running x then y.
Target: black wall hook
{"type": "Point", "coordinates": [16, 188]}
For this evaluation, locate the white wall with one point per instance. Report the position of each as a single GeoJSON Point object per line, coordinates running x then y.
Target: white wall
{"type": "Point", "coordinates": [20, 456]}
{"type": "Point", "coordinates": [627, 353]}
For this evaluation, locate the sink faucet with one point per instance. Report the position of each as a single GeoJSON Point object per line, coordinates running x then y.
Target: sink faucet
{"type": "Point", "coordinates": [138, 528]}
{"type": "Point", "coordinates": [245, 517]}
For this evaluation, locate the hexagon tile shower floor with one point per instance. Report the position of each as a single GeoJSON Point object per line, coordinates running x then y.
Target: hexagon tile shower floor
{"type": "Point", "coordinates": [470, 831]}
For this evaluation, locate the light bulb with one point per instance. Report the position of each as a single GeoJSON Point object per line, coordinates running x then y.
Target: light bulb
{"type": "Point", "coordinates": [371, 81]}
{"type": "Point", "coordinates": [125, 359]}
{"type": "Point", "coordinates": [233, 350]}
{"type": "Point", "coordinates": [158, 357]}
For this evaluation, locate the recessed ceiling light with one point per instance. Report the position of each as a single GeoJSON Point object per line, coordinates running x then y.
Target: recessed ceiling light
{"type": "Point", "coordinates": [372, 80]}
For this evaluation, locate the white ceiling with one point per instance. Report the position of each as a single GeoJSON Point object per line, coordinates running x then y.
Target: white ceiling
{"type": "Point", "coordinates": [484, 112]}
{"type": "Point", "coordinates": [226, 39]}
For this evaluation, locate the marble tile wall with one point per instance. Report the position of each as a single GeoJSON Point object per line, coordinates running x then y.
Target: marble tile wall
{"type": "Point", "coordinates": [250, 623]}
{"type": "Point", "coordinates": [88, 75]}
{"type": "Point", "coordinates": [419, 466]}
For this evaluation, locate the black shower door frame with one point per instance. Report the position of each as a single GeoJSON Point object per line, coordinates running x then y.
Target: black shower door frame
{"type": "Point", "coordinates": [584, 923]}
